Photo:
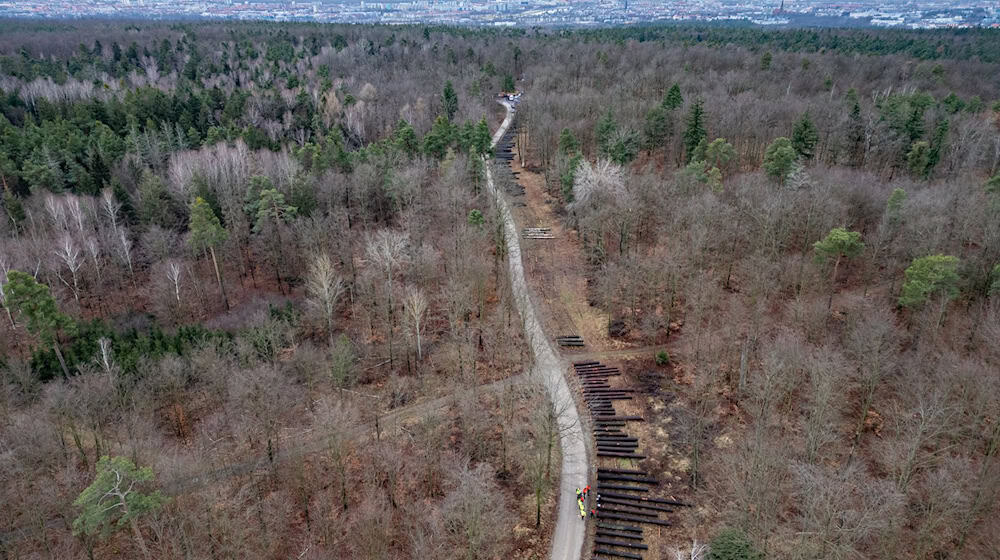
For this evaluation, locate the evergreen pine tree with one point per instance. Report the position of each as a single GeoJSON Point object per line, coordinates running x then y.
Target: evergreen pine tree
{"type": "Point", "coordinates": [695, 131]}
{"type": "Point", "coordinates": [805, 137]}
{"type": "Point", "coordinates": [673, 99]}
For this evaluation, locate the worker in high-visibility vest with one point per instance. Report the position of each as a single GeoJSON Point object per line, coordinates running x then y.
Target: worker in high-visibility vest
{"type": "Point", "coordinates": [583, 508]}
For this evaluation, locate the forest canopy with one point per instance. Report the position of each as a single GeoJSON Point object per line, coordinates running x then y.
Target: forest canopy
{"type": "Point", "coordinates": [256, 269]}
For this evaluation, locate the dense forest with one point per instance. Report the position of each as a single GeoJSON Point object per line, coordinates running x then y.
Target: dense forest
{"type": "Point", "coordinates": [254, 267]}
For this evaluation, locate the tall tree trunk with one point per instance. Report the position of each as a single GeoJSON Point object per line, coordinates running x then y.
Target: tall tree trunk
{"type": "Point", "coordinates": [833, 283]}
{"type": "Point", "coordinates": [218, 278]}
{"type": "Point", "coordinates": [538, 507]}
{"type": "Point", "coordinates": [138, 538]}
{"type": "Point", "coordinates": [280, 263]}
{"type": "Point", "coordinates": [420, 355]}
{"type": "Point", "coordinates": [343, 484]}
{"type": "Point", "coordinates": [62, 360]}
{"type": "Point", "coordinates": [745, 361]}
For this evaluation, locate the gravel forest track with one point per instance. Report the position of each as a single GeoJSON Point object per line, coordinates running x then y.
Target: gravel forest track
{"type": "Point", "coordinates": [570, 532]}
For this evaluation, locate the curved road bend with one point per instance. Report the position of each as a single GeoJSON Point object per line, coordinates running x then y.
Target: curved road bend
{"type": "Point", "coordinates": [570, 531]}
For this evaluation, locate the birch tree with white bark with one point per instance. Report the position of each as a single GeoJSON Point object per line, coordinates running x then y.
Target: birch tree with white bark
{"type": "Point", "coordinates": [324, 287]}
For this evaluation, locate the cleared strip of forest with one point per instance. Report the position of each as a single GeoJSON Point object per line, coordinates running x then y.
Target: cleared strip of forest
{"type": "Point", "coordinates": [569, 534]}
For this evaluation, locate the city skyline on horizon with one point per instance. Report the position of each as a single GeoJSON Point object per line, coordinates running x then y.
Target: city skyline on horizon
{"type": "Point", "coordinates": [570, 13]}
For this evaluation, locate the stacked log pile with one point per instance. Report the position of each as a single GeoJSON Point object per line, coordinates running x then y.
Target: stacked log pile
{"type": "Point", "coordinates": [622, 502]}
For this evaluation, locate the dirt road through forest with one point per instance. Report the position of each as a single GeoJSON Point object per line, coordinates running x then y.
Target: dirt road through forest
{"type": "Point", "coordinates": [570, 531]}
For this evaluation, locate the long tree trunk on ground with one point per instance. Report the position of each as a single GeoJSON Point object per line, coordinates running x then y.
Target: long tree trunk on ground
{"type": "Point", "coordinates": [218, 277]}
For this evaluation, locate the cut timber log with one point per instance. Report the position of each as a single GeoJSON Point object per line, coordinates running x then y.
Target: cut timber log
{"type": "Point", "coordinates": [634, 519]}
{"type": "Point", "coordinates": [626, 478]}
{"type": "Point", "coordinates": [638, 498]}
{"type": "Point", "coordinates": [619, 453]}
{"type": "Point", "coordinates": [601, 488]}
{"type": "Point", "coordinates": [602, 453]}
{"type": "Point", "coordinates": [614, 527]}
{"type": "Point", "coordinates": [631, 504]}
{"type": "Point", "coordinates": [620, 511]}
{"type": "Point", "coordinates": [616, 534]}
{"type": "Point", "coordinates": [621, 544]}
{"type": "Point", "coordinates": [605, 552]}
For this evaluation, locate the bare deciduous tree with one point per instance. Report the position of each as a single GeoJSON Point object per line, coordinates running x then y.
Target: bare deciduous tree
{"type": "Point", "coordinates": [841, 510]}
{"type": "Point", "coordinates": [56, 211]}
{"type": "Point", "coordinates": [825, 372]}
{"type": "Point", "coordinates": [124, 245]}
{"type": "Point", "coordinates": [94, 249]}
{"type": "Point", "coordinates": [477, 524]}
{"type": "Point", "coordinates": [386, 249]}
{"type": "Point", "coordinates": [324, 287]}
{"type": "Point", "coordinates": [110, 207]}
{"type": "Point", "coordinates": [872, 342]}
{"type": "Point", "coordinates": [174, 275]}
{"type": "Point", "coordinates": [696, 552]}
{"type": "Point", "coordinates": [69, 254]}
{"type": "Point", "coordinates": [415, 304]}
{"type": "Point", "coordinates": [4, 269]}
{"type": "Point", "coordinates": [75, 211]}
{"type": "Point", "coordinates": [920, 433]}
